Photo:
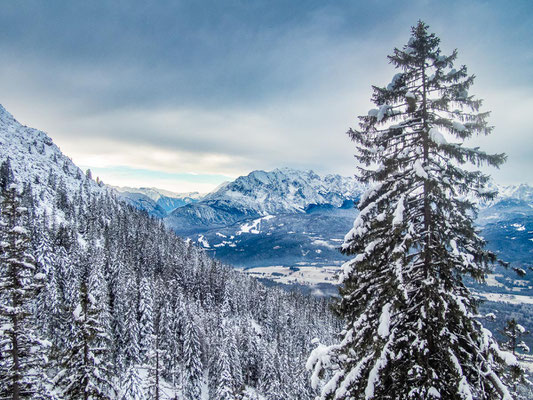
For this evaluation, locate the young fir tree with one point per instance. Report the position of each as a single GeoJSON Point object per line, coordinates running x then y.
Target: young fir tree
{"type": "Point", "coordinates": [132, 385]}
{"type": "Point", "coordinates": [224, 388]}
{"type": "Point", "coordinates": [410, 329]}
{"type": "Point", "coordinates": [193, 374]}
{"type": "Point", "coordinates": [22, 353]}
{"type": "Point", "coordinates": [513, 332]}
{"type": "Point", "coordinates": [85, 372]}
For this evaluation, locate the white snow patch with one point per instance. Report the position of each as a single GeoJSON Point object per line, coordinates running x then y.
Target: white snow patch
{"type": "Point", "coordinates": [458, 126]}
{"type": "Point", "coordinates": [203, 241]}
{"type": "Point", "coordinates": [323, 243]}
{"type": "Point", "coordinates": [519, 227]}
{"type": "Point", "coordinates": [77, 312]}
{"type": "Point", "coordinates": [437, 137]}
{"type": "Point", "coordinates": [491, 280]}
{"type": "Point", "coordinates": [395, 79]}
{"type": "Point", "coordinates": [20, 230]}
{"type": "Point", "coordinates": [253, 227]}
{"type": "Point", "coordinates": [419, 170]}
{"type": "Point", "coordinates": [305, 274]}
{"type": "Point", "coordinates": [257, 328]}
{"type": "Point", "coordinates": [383, 110]}
{"type": "Point", "coordinates": [434, 392]}
{"type": "Point", "coordinates": [384, 321]}
{"type": "Point", "coordinates": [398, 212]}
{"type": "Point", "coordinates": [506, 298]}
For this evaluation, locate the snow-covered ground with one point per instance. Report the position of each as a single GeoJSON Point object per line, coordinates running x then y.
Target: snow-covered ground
{"type": "Point", "coordinates": [253, 227]}
{"type": "Point", "coordinates": [491, 280]}
{"type": "Point", "coordinates": [312, 275]}
{"type": "Point", "coordinates": [514, 285]}
{"type": "Point", "coordinates": [304, 275]}
{"type": "Point", "coordinates": [506, 298]}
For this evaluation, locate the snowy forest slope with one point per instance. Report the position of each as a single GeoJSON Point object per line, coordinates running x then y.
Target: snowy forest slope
{"type": "Point", "coordinates": [173, 320]}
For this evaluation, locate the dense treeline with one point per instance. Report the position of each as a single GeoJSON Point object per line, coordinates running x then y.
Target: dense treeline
{"type": "Point", "coordinates": [110, 304]}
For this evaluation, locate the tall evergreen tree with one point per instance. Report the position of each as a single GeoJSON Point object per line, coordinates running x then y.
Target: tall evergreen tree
{"type": "Point", "coordinates": [132, 385]}
{"type": "Point", "coordinates": [85, 372]}
{"type": "Point", "coordinates": [513, 332]}
{"type": "Point", "coordinates": [193, 374]}
{"type": "Point", "coordinates": [410, 329]}
{"type": "Point", "coordinates": [146, 318]}
{"type": "Point", "coordinates": [6, 174]}
{"type": "Point", "coordinates": [22, 353]}
{"type": "Point", "coordinates": [224, 388]}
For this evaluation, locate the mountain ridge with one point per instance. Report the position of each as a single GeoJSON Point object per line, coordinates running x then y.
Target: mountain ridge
{"type": "Point", "coordinates": [157, 202]}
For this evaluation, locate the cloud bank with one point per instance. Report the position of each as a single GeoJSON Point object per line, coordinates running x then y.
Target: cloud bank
{"type": "Point", "coordinates": [213, 90]}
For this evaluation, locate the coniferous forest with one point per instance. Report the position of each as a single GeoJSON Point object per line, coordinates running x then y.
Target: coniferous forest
{"type": "Point", "coordinates": [99, 300]}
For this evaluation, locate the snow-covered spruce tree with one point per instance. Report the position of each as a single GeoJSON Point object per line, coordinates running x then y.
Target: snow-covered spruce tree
{"type": "Point", "coordinates": [22, 353]}
{"type": "Point", "coordinates": [193, 374]}
{"type": "Point", "coordinates": [132, 385]}
{"type": "Point", "coordinates": [224, 389]}
{"type": "Point", "coordinates": [514, 332]}
{"type": "Point", "coordinates": [514, 377]}
{"type": "Point", "coordinates": [84, 372]}
{"type": "Point", "coordinates": [410, 330]}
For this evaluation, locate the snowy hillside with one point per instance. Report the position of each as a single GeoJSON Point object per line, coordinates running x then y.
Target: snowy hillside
{"type": "Point", "coordinates": [521, 192]}
{"type": "Point", "coordinates": [160, 312]}
{"type": "Point", "coordinates": [39, 163]}
{"type": "Point", "coordinates": [156, 194]}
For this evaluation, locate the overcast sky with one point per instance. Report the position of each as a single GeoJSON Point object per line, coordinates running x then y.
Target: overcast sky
{"type": "Point", "coordinates": [183, 95]}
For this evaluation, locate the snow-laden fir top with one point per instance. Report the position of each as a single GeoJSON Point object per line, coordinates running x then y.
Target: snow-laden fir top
{"type": "Point", "coordinates": [286, 190]}
{"type": "Point", "coordinates": [33, 155]}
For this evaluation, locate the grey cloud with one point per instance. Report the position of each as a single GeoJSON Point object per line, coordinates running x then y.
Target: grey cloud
{"type": "Point", "coordinates": [263, 85]}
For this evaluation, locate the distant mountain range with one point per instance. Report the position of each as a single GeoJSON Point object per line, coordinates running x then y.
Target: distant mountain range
{"type": "Point", "coordinates": [156, 202]}
{"type": "Point", "coordinates": [282, 217]}
{"type": "Point", "coordinates": [295, 219]}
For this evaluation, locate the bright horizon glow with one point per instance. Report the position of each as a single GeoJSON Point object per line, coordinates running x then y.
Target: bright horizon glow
{"type": "Point", "coordinates": [176, 183]}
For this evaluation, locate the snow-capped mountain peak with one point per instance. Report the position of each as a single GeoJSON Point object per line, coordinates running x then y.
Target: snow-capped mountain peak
{"type": "Point", "coordinates": [286, 190]}
{"type": "Point", "coordinates": [158, 202]}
